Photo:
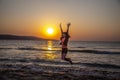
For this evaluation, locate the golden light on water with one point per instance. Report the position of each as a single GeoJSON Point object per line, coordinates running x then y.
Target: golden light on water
{"type": "Point", "coordinates": [49, 48]}
{"type": "Point", "coordinates": [50, 55]}
{"type": "Point", "coordinates": [50, 45]}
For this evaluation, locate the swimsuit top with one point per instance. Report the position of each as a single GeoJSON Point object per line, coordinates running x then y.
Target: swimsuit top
{"type": "Point", "coordinates": [64, 42]}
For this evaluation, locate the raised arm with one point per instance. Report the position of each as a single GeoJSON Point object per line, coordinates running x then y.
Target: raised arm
{"type": "Point", "coordinates": [61, 29]}
{"type": "Point", "coordinates": [68, 25]}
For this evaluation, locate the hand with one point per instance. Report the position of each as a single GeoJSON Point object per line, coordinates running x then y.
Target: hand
{"type": "Point", "coordinates": [68, 24]}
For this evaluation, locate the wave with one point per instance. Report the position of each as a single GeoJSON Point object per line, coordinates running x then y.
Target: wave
{"type": "Point", "coordinates": [30, 49]}
{"type": "Point", "coordinates": [98, 65]}
{"type": "Point", "coordinates": [32, 60]}
{"type": "Point", "coordinates": [5, 48]}
{"type": "Point", "coordinates": [107, 48]}
{"type": "Point", "coordinates": [78, 47]}
{"type": "Point", "coordinates": [36, 49]}
{"type": "Point", "coordinates": [70, 50]}
{"type": "Point", "coordinates": [95, 51]}
{"type": "Point", "coordinates": [84, 51]}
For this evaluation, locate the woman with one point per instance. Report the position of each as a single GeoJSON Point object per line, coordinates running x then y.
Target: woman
{"type": "Point", "coordinates": [64, 41]}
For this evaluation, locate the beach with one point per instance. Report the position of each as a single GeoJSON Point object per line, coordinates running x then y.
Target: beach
{"type": "Point", "coordinates": [41, 60]}
{"type": "Point", "coordinates": [30, 72]}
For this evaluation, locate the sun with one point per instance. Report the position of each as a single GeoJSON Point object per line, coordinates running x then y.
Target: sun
{"type": "Point", "coordinates": [50, 31]}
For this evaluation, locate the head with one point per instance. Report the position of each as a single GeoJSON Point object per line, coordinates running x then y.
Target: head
{"type": "Point", "coordinates": [65, 34]}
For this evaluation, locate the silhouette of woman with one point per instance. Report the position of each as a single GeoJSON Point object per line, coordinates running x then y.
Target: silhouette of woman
{"type": "Point", "coordinates": [64, 42]}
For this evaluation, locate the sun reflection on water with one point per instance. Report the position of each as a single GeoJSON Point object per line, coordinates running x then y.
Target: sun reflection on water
{"type": "Point", "coordinates": [49, 45]}
{"type": "Point", "coordinates": [50, 55]}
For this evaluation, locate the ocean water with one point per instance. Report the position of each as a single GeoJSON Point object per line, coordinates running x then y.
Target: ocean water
{"type": "Point", "coordinates": [84, 54]}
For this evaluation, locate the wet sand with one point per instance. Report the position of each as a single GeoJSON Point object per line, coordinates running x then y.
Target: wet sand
{"type": "Point", "coordinates": [9, 72]}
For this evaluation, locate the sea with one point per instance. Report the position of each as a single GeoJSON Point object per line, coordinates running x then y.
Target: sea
{"type": "Point", "coordinates": [88, 55]}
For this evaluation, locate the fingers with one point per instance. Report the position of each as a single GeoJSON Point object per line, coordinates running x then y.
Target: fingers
{"type": "Point", "coordinates": [68, 24]}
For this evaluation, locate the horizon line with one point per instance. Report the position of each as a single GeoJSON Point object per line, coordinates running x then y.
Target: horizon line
{"type": "Point", "coordinates": [58, 39]}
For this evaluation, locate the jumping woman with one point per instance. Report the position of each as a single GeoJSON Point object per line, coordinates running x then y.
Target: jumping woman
{"type": "Point", "coordinates": [64, 42]}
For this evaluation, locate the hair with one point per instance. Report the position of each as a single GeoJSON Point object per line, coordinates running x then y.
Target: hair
{"type": "Point", "coordinates": [67, 35]}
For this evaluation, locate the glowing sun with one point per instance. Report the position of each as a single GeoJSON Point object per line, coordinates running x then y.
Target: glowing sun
{"type": "Point", "coordinates": [50, 31]}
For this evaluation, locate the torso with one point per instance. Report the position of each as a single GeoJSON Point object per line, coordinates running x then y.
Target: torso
{"type": "Point", "coordinates": [64, 42]}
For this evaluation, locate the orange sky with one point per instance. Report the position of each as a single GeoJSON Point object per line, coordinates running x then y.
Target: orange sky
{"type": "Point", "coordinates": [90, 19]}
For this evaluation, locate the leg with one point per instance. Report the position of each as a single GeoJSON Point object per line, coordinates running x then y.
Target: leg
{"type": "Point", "coordinates": [64, 53]}
{"type": "Point", "coordinates": [68, 59]}
{"type": "Point", "coordinates": [63, 56]}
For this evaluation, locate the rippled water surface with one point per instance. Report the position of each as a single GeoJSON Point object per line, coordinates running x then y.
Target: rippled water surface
{"type": "Point", "coordinates": [92, 55]}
